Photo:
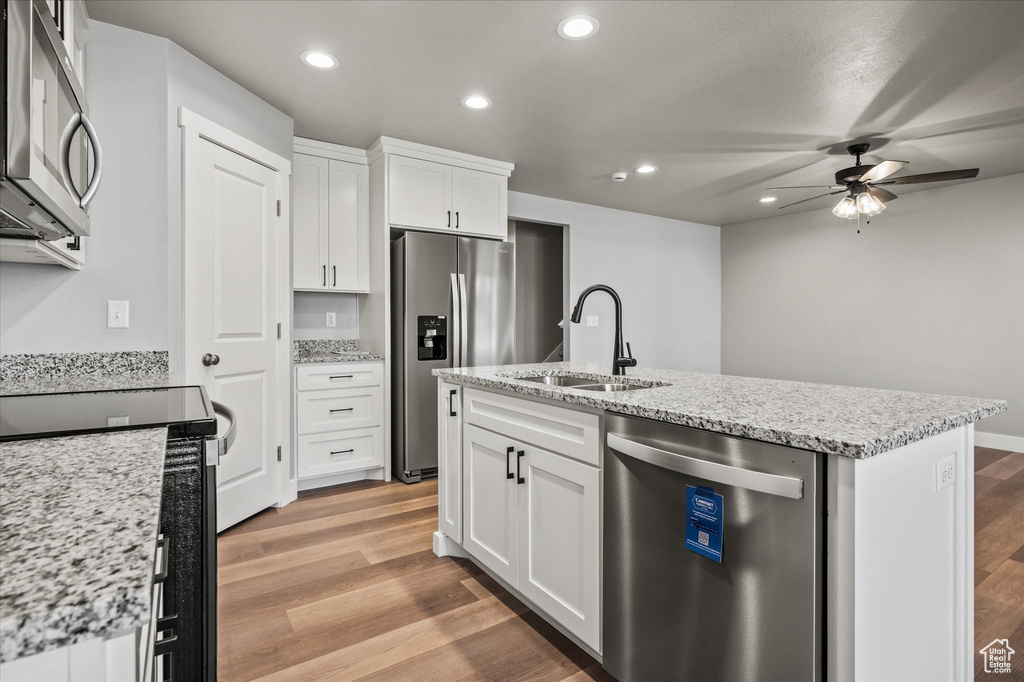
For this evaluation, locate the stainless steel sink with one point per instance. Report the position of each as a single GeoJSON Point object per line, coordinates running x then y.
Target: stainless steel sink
{"type": "Point", "coordinates": [610, 388]}
{"type": "Point", "coordinates": [557, 381]}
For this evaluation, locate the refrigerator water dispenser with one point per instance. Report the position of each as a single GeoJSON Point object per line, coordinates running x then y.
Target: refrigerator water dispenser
{"type": "Point", "coordinates": [432, 337]}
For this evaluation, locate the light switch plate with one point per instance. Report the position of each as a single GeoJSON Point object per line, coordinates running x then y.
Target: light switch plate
{"type": "Point", "coordinates": [591, 320]}
{"type": "Point", "coordinates": [117, 314]}
{"type": "Point", "coordinates": [332, 319]}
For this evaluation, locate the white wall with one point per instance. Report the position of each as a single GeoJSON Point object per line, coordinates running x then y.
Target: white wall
{"type": "Point", "coordinates": [45, 309]}
{"type": "Point", "coordinates": [667, 272]}
{"type": "Point", "coordinates": [928, 297]}
{"type": "Point", "coordinates": [135, 84]}
{"type": "Point", "coordinates": [310, 316]}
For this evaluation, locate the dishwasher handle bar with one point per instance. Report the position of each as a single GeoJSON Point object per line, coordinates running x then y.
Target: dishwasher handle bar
{"type": "Point", "coordinates": [772, 484]}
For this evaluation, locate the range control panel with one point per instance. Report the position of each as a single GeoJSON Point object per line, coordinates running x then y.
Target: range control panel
{"type": "Point", "coordinates": [432, 333]}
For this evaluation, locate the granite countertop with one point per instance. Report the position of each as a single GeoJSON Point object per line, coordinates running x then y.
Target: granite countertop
{"type": "Point", "coordinates": [842, 420]}
{"type": "Point", "coordinates": [302, 358]}
{"type": "Point", "coordinates": [64, 372]}
{"type": "Point", "coordinates": [89, 382]}
{"type": "Point", "coordinates": [78, 527]}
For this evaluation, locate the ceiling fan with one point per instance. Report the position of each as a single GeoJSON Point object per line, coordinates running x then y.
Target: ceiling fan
{"type": "Point", "coordinates": [863, 184]}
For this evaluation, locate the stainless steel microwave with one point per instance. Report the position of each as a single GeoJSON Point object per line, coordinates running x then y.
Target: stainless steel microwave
{"type": "Point", "coordinates": [48, 140]}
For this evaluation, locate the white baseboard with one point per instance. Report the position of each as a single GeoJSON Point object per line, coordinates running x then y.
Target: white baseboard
{"type": "Point", "coordinates": [445, 546]}
{"type": "Point", "coordinates": [999, 441]}
{"type": "Point", "coordinates": [337, 479]}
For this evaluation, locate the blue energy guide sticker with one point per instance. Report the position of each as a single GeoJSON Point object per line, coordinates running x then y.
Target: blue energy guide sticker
{"type": "Point", "coordinates": [705, 513]}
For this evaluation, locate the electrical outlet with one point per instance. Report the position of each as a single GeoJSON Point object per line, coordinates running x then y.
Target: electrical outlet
{"type": "Point", "coordinates": [332, 319]}
{"type": "Point", "coordinates": [121, 420]}
{"type": "Point", "coordinates": [591, 320]}
{"type": "Point", "coordinates": [945, 472]}
{"type": "Point", "coordinates": [117, 314]}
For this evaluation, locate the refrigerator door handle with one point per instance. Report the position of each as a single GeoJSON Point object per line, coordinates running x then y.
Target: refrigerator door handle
{"type": "Point", "coordinates": [463, 323]}
{"type": "Point", "coordinates": [456, 323]}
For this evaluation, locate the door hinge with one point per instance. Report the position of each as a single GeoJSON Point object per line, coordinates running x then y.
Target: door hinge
{"type": "Point", "coordinates": [279, 207]}
{"type": "Point", "coordinates": [278, 330]}
{"type": "Point", "coordinates": [278, 453]}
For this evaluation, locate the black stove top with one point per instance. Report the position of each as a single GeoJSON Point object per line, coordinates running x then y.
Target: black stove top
{"type": "Point", "coordinates": [186, 411]}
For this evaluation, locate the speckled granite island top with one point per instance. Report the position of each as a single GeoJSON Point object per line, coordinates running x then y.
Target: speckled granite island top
{"type": "Point", "coordinates": [842, 420]}
{"type": "Point", "coordinates": [78, 527]}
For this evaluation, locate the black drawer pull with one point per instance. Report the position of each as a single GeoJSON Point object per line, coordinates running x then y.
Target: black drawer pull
{"type": "Point", "coordinates": [341, 376]}
{"type": "Point", "coordinates": [342, 452]}
{"type": "Point", "coordinates": [163, 544]}
{"type": "Point", "coordinates": [508, 463]}
{"type": "Point", "coordinates": [451, 403]}
{"type": "Point", "coordinates": [519, 475]}
{"type": "Point", "coordinates": [342, 409]}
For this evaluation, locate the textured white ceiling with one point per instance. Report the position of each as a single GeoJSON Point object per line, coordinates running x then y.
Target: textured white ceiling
{"type": "Point", "coordinates": [726, 98]}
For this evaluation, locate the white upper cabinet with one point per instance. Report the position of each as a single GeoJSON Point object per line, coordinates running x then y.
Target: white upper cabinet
{"type": "Point", "coordinates": [331, 219]}
{"type": "Point", "coordinates": [309, 222]}
{"type": "Point", "coordinates": [349, 227]}
{"type": "Point", "coordinates": [480, 202]}
{"type": "Point", "coordinates": [420, 194]}
{"type": "Point", "coordinates": [436, 189]}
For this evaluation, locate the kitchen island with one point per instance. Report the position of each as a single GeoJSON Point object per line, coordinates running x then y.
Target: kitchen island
{"type": "Point", "coordinates": [525, 466]}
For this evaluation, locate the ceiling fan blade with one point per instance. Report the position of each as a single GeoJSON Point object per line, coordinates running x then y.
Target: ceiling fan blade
{"type": "Point", "coordinates": [811, 187]}
{"type": "Point", "coordinates": [882, 195]}
{"type": "Point", "coordinates": [932, 177]}
{"type": "Point", "coordinates": [828, 194]}
{"type": "Point", "coordinates": [882, 170]}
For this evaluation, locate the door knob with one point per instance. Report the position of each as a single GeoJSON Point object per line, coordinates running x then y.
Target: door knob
{"type": "Point", "coordinates": [210, 359]}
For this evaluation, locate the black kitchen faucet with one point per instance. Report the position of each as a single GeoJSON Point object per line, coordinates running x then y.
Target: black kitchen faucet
{"type": "Point", "coordinates": [619, 362]}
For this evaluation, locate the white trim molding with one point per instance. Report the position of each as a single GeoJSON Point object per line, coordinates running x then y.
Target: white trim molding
{"type": "Point", "coordinates": [229, 139]}
{"type": "Point", "coordinates": [999, 441]}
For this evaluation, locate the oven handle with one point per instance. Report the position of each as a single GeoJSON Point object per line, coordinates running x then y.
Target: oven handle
{"type": "Point", "coordinates": [218, 447]}
{"type": "Point", "coordinates": [773, 484]}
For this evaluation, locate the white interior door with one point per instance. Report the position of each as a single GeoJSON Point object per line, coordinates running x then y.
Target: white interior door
{"type": "Point", "coordinates": [231, 311]}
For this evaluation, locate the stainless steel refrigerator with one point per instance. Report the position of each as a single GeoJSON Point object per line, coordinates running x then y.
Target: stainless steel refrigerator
{"type": "Point", "coordinates": [453, 305]}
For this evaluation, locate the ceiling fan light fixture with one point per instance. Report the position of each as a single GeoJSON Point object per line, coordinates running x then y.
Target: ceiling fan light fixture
{"type": "Point", "coordinates": [869, 205]}
{"type": "Point", "coordinates": [847, 208]}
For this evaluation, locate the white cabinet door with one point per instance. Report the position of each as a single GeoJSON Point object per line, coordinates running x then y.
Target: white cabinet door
{"type": "Point", "coordinates": [491, 530]}
{"type": "Point", "coordinates": [419, 193]}
{"type": "Point", "coordinates": [480, 202]}
{"type": "Point", "coordinates": [560, 541]}
{"type": "Point", "coordinates": [310, 222]}
{"type": "Point", "coordinates": [449, 449]}
{"type": "Point", "coordinates": [340, 451]}
{"type": "Point", "coordinates": [349, 227]}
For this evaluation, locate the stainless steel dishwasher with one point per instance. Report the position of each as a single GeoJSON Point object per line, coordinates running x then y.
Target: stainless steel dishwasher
{"type": "Point", "coordinates": [671, 613]}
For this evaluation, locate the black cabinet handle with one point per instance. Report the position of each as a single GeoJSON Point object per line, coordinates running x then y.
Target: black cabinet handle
{"type": "Point", "coordinates": [519, 474]}
{"type": "Point", "coordinates": [335, 269]}
{"type": "Point", "coordinates": [163, 544]}
{"type": "Point", "coordinates": [451, 403]}
{"type": "Point", "coordinates": [341, 409]}
{"type": "Point", "coordinates": [508, 462]}
{"type": "Point", "coordinates": [325, 275]}
{"type": "Point", "coordinates": [456, 220]}
{"type": "Point", "coordinates": [341, 376]}
{"type": "Point", "coordinates": [342, 452]}
{"type": "Point", "coordinates": [449, 218]}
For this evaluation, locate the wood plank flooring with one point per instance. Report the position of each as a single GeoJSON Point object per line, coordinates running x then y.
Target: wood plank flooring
{"type": "Point", "coordinates": [999, 557]}
{"type": "Point", "coordinates": [343, 585]}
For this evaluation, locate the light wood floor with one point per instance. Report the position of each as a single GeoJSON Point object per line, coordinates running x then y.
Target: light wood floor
{"type": "Point", "coordinates": [999, 556]}
{"type": "Point", "coordinates": [343, 585]}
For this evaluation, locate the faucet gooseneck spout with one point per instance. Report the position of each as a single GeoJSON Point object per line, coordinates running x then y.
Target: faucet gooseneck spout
{"type": "Point", "coordinates": [619, 361]}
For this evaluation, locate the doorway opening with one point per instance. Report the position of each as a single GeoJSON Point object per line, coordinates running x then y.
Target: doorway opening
{"type": "Point", "coordinates": [541, 291]}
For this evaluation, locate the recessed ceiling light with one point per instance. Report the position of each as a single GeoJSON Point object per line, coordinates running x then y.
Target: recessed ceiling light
{"type": "Point", "coordinates": [319, 60]}
{"type": "Point", "coordinates": [476, 102]}
{"type": "Point", "coordinates": [646, 169]}
{"type": "Point", "coordinates": [578, 27]}
{"type": "Point", "coordinates": [767, 200]}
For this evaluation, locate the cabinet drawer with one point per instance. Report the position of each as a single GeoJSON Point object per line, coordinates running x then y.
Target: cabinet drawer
{"type": "Point", "coordinates": [335, 453]}
{"type": "Point", "coordinates": [321, 411]}
{"type": "Point", "coordinates": [568, 432]}
{"type": "Point", "coordinates": [342, 375]}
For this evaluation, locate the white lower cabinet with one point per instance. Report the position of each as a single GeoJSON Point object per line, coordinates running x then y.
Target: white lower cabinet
{"type": "Point", "coordinates": [339, 420]}
{"type": "Point", "coordinates": [533, 518]}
